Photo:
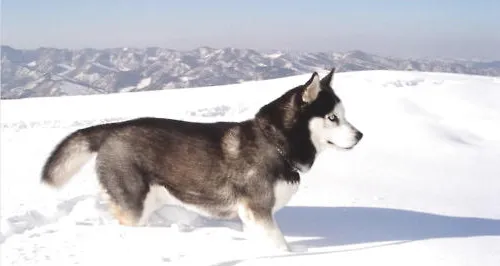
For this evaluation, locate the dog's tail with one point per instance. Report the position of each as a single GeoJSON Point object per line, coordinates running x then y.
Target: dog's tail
{"type": "Point", "coordinates": [72, 153]}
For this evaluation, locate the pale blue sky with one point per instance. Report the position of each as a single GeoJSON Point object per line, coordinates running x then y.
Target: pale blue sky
{"type": "Point", "coordinates": [446, 28]}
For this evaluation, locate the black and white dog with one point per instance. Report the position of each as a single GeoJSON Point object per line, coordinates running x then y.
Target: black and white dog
{"type": "Point", "coordinates": [247, 169]}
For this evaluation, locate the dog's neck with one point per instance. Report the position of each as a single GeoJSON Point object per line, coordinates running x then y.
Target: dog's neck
{"type": "Point", "coordinates": [277, 139]}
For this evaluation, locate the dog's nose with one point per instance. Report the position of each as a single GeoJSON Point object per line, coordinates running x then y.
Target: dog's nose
{"type": "Point", "coordinates": [359, 135]}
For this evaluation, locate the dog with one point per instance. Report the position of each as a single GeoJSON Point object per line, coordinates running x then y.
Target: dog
{"type": "Point", "coordinates": [247, 170]}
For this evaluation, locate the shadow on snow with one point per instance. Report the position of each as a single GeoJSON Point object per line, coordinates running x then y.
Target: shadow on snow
{"type": "Point", "coordinates": [333, 226]}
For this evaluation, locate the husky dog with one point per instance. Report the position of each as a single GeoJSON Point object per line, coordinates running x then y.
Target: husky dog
{"type": "Point", "coordinates": [224, 170]}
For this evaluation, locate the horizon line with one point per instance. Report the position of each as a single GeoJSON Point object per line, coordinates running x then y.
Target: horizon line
{"type": "Point", "coordinates": [135, 47]}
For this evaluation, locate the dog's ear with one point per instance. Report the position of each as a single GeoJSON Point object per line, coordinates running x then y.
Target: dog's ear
{"type": "Point", "coordinates": [312, 88]}
{"type": "Point", "coordinates": [327, 80]}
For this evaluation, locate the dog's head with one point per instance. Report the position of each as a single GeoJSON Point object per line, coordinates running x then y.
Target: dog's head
{"type": "Point", "coordinates": [327, 120]}
{"type": "Point", "coordinates": [311, 118]}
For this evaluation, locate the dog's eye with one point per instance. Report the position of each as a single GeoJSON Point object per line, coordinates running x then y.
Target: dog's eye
{"type": "Point", "coordinates": [332, 118]}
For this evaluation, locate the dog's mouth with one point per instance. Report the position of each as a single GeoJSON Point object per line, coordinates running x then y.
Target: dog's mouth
{"type": "Point", "coordinates": [338, 147]}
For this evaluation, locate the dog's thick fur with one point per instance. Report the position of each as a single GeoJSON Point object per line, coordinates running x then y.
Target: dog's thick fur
{"type": "Point", "coordinates": [245, 169]}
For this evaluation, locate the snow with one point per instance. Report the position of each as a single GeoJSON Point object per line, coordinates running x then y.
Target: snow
{"type": "Point", "coordinates": [274, 55]}
{"type": "Point", "coordinates": [144, 83]}
{"type": "Point", "coordinates": [422, 187]}
{"type": "Point", "coordinates": [67, 67]}
{"type": "Point", "coordinates": [104, 67]}
{"type": "Point", "coordinates": [127, 89]}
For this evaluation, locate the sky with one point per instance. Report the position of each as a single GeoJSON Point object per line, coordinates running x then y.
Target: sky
{"type": "Point", "coordinates": [410, 28]}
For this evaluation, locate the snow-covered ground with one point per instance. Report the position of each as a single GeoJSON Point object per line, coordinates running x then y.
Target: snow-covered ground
{"type": "Point", "coordinates": [422, 187]}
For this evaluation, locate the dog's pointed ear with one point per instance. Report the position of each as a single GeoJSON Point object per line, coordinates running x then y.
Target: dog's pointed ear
{"type": "Point", "coordinates": [327, 80]}
{"type": "Point", "coordinates": [312, 88]}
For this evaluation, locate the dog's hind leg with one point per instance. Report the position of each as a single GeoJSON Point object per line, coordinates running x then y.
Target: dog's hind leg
{"type": "Point", "coordinates": [126, 188]}
{"type": "Point", "coordinates": [124, 216]}
{"type": "Point", "coordinates": [260, 222]}
{"type": "Point", "coordinates": [139, 215]}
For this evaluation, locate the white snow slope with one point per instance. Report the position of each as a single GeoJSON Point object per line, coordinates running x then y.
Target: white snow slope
{"type": "Point", "coordinates": [422, 187]}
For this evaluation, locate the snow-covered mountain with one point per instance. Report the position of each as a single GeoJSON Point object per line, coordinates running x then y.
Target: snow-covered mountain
{"type": "Point", "coordinates": [421, 188]}
{"type": "Point", "coordinates": [57, 72]}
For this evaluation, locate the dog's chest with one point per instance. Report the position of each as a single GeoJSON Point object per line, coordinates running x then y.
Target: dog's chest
{"type": "Point", "coordinates": [283, 192]}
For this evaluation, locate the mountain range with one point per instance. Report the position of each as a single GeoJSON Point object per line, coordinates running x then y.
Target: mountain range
{"type": "Point", "coordinates": [53, 72]}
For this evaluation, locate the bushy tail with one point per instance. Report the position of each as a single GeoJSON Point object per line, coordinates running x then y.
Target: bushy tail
{"type": "Point", "coordinates": [72, 153]}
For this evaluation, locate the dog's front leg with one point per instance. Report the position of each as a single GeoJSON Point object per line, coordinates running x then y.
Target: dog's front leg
{"type": "Point", "coordinates": [259, 222]}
